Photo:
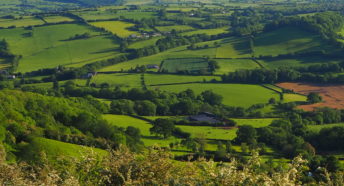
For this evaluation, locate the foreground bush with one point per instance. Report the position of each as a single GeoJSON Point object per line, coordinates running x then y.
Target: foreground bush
{"type": "Point", "coordinates": [155, 167]}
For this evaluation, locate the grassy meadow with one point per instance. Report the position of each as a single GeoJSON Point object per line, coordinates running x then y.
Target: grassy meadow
{"type": "Point", "coordinates": [119, 28]}
{"type": "Point", "coordinates": [156, 79]}
{"type": "Point", "coordinates": [178, 28]}
{"type": "Point", "coordinates": [209, 32]}
{"type": "Point", "coordinates": [24, 22]}
{"type": "Point", "coordinates": [49, 46]}
{"type": "Point", "coordinates": [123, 80]}
{"type": "Point", "coordinates": [233, 94]}
{"type": "Point", "coordinates": [232, 65]}
{"type": "Point", "coordinates": [57, 19]}
{"type": "Point", "coordinates": [288, 40]}
{"type": "Point", "coordinates": [192, 65]}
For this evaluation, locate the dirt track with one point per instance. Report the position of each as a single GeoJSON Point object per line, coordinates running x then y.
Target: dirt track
{"type": "Point", "coordinates": [333, 95]}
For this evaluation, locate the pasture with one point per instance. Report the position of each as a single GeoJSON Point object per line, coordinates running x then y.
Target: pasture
{"type": "Point", "coordinates": [210, 32]}
{"type": "Point", "coordinates": [331, 94]}
{"type": "Point", "coordinates": [210, 133]}
{"type": "Point", "coordinates": [118, 28]}
{"type": "Point", "coordinates": [144, 43]}
{"type": "Point", "coordinates": [55, 149]}
{"type": "Point", "coordinates": [123, 80]}
{"type": "Point", "coordinates": [178, 28]}
{"type": "Point", "coordinates": [24, 22]}
{"type": "Point", "coordinates": [190, 65]}
{"type": "Point", "coordinates": [288, 40]}
{"type": "Point", "coordinates": [148, 139]}
{"type": "Point", "coordinates": [231, 65]}
{"type": "Point", "coordinates": [57, 19]}
{"type": "Point", "coordinates": [114, 14]}
{"type": "Point", "coordinates": [234, 47]}
{"type": "Point", "coordinates": [50, 46]}
{"type": "Point", "coordinates": [317, 128]}
{"type": "Point", "coordinates": [158, 79]}
{"type": "Point", "coordinates": [242, 95]}
{"type": "Point", "coordinates": [296, 62]}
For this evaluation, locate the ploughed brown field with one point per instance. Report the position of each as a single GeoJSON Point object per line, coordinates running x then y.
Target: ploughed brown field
{"type": "Point", "coordinates": [333, 95]}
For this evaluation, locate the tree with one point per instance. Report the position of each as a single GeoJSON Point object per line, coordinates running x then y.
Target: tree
{"type": "Point", "coordinates": [314, 98]}
{"type": "Point", "coordinates": [145, 108]}
{"type": "Point", "coordinates": [122, 106]}
{"type": "Point", "coordinates": [211, 98]}
{"type": "Point", "coordinates": [246, 134]}
{"type": "Point", "coordinates": [163, 127]}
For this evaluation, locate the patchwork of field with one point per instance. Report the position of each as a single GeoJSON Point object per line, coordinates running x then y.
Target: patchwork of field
{"type": "Point", "coordinates": [296, 62]}
{"type": "Point", "coordinates": [25, 21]}
{"type": "Point", "coordinates": [231, 65]}
{"type": "Point", "coordinates": [242, 95]}
{"type": "Point", "coordinates": [57, 19]}
{"type": "Point", "coordinates": [178, 28]}
{"type": "Point", "coordinates": [288, 40]}
{"type": "Point", "coordinates": [123, 80]}
{"type": "Point", "coordinates": [119, 28]}
{"type": "Point", "coordinates": [51, 46]}
{"type": "Point", "coordinates": [49, 85]}
{"type": "Point", "coordinates": [332, 94]}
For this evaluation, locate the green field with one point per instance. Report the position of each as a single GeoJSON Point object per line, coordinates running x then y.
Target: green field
{"type": "Point", "coordinates": [178, 28]}
{"type": "Point", "coordinates": [234, 47]}
{"type": "Point", "coordinates": [57, 19]}
{"type": "Point", "coordinates": [216, 133]}
{"type": "Point", "coordinates": [25, 21]}
{"type": "Point", "coordinates": [256, 123]}
{"type": "Point", "coordinates": [56, 149]}
{"type": "Point", "coordinates": [155, 79]}
{"type": "Point", "coordinates": [231, 65]}
{"type": "Point", "coordinates": [294, 97]}
{"type": "Point", "coordinates": [296, 62]}
{"type": "Point", "coordinates": [119, 28]}
{"type": "Point", "coordinates": [111, 14]}
{"type": "Point", "coordinates": [190, 65]}
{"type": "Point", "coordinates": [317, 128]}
{"type": "Point", "coordinates": [147, 138]}
{"type": "Point", "coordinates": [123, 80]}
{"type": "Point", "coordinates": [48, 46]}
{"type": "Point", "coordinates": [210, 32]}
{"type": "Point", "coordinates": [49, 85]}
{"type": "Point", "coordinates": [288, 40]}
{"type": "Point", "coordinates": [242, 95]}
{"type": "Point", "coordinates": [144, 43]}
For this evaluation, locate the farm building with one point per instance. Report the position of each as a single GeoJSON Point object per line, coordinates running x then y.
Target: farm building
{"type": "Point", "coordinates": [204, 117]}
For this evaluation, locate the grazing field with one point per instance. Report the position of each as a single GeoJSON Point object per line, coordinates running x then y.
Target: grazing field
{"type": "Point", "coordinates": [123, 80]}
{"type": "Point", "coordinates": [294, 98]}
{"type": "Point", "coordinates": [215, 133]}
{"type": "Point", "coordinates": [317, 128]}
{"type": "Point", "coordinates": [242, 95]}
{"type": "Point", "coordinates": [55, 149]}
{"type": "Point", "coordinates": [233, 47]}
{"type": "Point", "coordinates": [178, 28]}
{"type": "Point", "coordinates": [57, 19]}
{"type": "Point", "coordinates": [26, 21]}
{"type": "Point", "coordinates": [288, 40]}
{"type": "Point", "coordinates": [147, 138]}
{"type": "Point", "coordinates": [156, 79]}
{"type": "Point", "coordinates": [50, 46]}
{"type": "Point", "coordinates": [256, 123]}
{"type": "Point", "coordinates": [119, 28]}
{"type": "Point", "coordinates": [296, 62]}
{"type": "Point", "coordinates": [332, 94]}
{"type": "Point", "coordinates": [144, 43]}
{"type": "Point", "coordinates": [190, 65]}
{"type": "Point", "coordinates": [49, 85]}
{"type": "Point", "coordinates": [231, 65]}
{"type": "Point", "coordinates": [111, 14]}
{"type": "Point", "coordinates": [210, 32]}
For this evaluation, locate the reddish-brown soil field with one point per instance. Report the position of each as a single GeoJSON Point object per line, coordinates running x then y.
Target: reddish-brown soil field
{"type": "Point", "coordinates": [333, 95]}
